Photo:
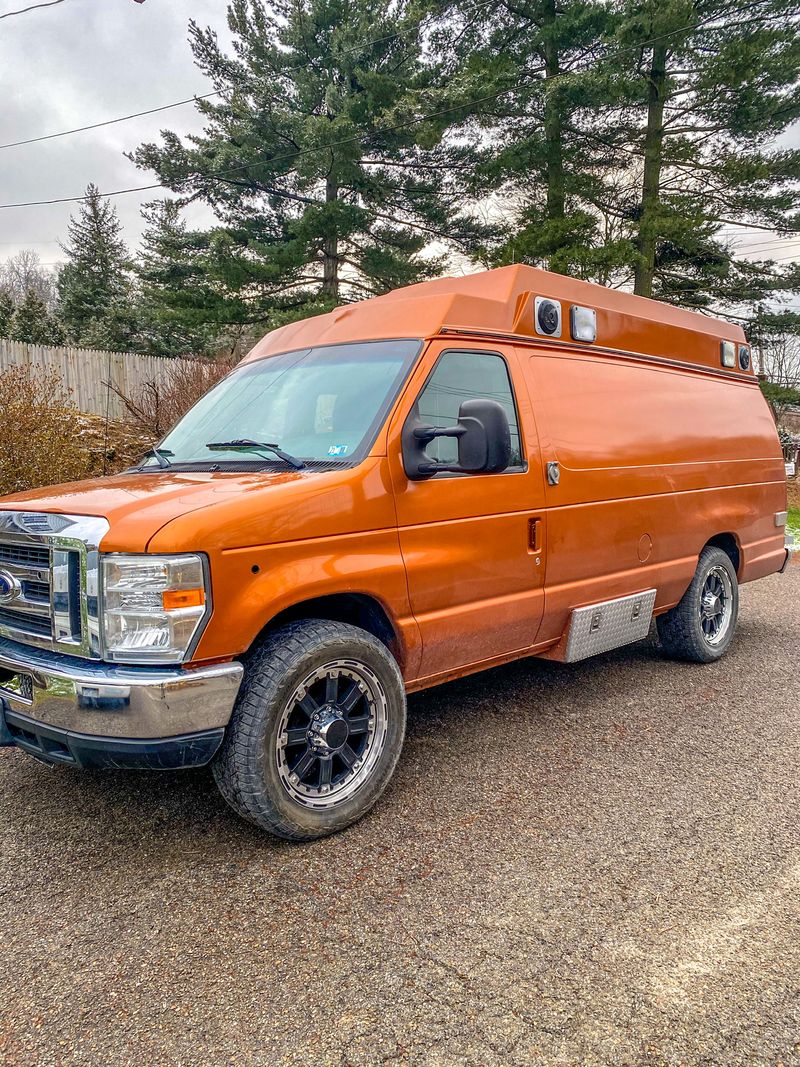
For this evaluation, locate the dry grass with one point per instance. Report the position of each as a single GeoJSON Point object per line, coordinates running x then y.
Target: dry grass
{"type": "Point", "coordinates": [156, 407]}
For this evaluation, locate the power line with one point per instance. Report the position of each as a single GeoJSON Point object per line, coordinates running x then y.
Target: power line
{"type": "Point", "coordinates": [765, 252]}
{"type": "Point", "coordinates": [782, 259]}
{"type": "Point", "coordinates": [33, 7]}
{"type": "Point", "coordinates": [205, 96]}
{"type": "Point", "coordinates": [382, 130]}
{"type": "Point", "coordinates": [110, 122]}
{"type": "Point", "coordinates": [79, 199]}
{"type": "Point", "coordinates": [757, 226]}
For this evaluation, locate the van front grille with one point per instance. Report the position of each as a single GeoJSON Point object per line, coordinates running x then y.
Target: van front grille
{"type": "Point", "coordinates": [32, 554]}
{"type": "Point", "coordinates": [38, 591]}
{"type": "Point", "coordinates": [28, 614]}
{"type": "Point", "coordinates": [19, 624]}
{"type": "Point", "coordinates": [49, 573]}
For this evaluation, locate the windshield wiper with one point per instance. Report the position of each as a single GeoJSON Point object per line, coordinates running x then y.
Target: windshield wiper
{"type": "Point", "coordinates": [244, 444]}
{"type": "Point", "coordinates": [160, 455]}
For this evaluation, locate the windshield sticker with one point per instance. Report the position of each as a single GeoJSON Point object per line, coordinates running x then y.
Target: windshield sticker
{"type": "Point", "coordinates": [337, 450]}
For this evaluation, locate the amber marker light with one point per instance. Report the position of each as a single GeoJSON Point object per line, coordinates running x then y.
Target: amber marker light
{"type": "Point", "coordinates": [173, 599]}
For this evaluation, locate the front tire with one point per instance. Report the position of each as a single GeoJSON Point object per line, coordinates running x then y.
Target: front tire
{"type": "Point", "coordinates": [316, 731]}
{"type": "Point", "coordinates": [701, 627]}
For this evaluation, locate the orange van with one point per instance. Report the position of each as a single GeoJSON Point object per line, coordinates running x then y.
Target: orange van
{"type": "Point", "coordinates": [400, 492]}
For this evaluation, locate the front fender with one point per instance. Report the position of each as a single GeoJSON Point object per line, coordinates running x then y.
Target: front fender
{"type": "Point", "coordinates": [250, 586]}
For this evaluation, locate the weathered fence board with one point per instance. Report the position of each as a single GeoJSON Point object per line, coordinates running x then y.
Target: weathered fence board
{"type": "Point", "coordinates": [86, 371]}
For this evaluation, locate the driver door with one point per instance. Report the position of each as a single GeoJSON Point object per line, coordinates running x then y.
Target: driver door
{"type": "Point", "coordinates": [473, 544]}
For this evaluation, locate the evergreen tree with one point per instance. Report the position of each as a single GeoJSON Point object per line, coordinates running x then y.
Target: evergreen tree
{"type": "Point", "coordinates": [325, 184]}
{"type": "Point", "coordinates": [31, 322]}
{"type": "Point", "coordinates": [623, 141]}
{"type": "Point", "coordinates": [539, 105]}
{"type": "Point", "coordinates": [718, 85]}
{"type": "Point", "coordinates": [177, 297]}
{"type": "Point", "coordinates": [6, 311]}
{"type": "Point", "coordinates": [95, 292]}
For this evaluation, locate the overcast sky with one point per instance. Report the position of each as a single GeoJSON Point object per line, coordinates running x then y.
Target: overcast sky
{"type": "Point", "coordinates": [84, 61]}
{"type": "Point", "coordinates": [80, 62]}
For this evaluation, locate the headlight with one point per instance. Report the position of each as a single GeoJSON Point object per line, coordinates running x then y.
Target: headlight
{"type": "Point", "coordinates": [152, 606]}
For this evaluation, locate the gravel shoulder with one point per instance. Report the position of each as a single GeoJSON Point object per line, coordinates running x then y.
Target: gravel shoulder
{"type": "Point", "coordinates": [586, 864]}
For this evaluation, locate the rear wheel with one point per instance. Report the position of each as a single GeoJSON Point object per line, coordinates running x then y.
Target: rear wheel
{"type": "Point", "coordinates": [316, 731]}
{"type": "Point", "coordinates": [701, 627]}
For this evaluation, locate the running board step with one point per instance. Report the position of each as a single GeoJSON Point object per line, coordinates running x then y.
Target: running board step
{"type": "Point", "coordinates": [601, 627]}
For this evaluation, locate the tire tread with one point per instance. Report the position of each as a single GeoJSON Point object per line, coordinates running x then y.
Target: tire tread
{"type": "Point", "coordinates": [678, 629]}
{"type": "Point", "coordinates": [237, 767]}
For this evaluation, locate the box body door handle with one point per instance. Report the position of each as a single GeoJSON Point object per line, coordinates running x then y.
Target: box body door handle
{"type": "Point", "coordinates": [535, 535]}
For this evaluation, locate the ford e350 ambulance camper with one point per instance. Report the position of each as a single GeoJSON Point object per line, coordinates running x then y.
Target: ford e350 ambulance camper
{"type": "Point", "coordinates": [398, 493]}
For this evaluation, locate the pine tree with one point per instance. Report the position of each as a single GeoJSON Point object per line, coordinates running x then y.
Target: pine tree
{"type": "Point", "coordinates": [325, 185]}
{"type": "Point", "coordinates": [176, 297]}
{"type": "Point", "coordinates": [539, 105]}
{"type": "Point", "coordinates": [94, 287]}
{"type": "Point", "coordinates": [718, 85]}
{"type": "Point", "coordinates": [31, 322]}
{"type": "Point", "coordinates": [6, 312]}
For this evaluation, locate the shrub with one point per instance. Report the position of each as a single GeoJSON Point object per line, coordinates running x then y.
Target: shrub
{"type": "Point", "coordinates": [789, 443]}
{"type": "Point", "coordinates": [157, 406]}
{"type": "Point", "coordinates": [41, 441]}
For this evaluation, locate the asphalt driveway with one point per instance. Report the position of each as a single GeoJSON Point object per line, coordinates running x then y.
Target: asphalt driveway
{"type": "Point", "coordinates": [587, 864]}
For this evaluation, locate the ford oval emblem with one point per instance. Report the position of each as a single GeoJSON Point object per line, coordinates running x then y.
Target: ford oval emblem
{"type": "Point", "coordinates": [9, 587]}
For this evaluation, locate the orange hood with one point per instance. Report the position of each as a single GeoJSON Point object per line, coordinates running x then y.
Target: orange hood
{"type": "Point", "coordinates": [137, 506]}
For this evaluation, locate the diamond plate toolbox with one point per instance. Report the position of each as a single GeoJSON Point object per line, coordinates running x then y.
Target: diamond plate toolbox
{"type": "Point", "coordinates": [600, 627]}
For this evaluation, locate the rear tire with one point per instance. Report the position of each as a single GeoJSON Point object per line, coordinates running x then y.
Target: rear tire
{"type": "Point", "coordinates": [316, 731]}
{"type": "Point", "coordinates": [701, 627]}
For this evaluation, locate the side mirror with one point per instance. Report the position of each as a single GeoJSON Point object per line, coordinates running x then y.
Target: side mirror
{"type": "Point", "coordinates": [483, 435]}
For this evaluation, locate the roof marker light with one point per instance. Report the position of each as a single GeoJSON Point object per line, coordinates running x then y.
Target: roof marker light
{"type": "Point", "coordinates": [744, 357]}
{"type": "Point", "coordinates": [728, 354]}
{"type": "Point", "coordinates": [583, 323]}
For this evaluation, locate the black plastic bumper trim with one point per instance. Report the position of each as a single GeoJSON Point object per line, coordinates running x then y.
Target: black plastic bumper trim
{"type": "Point", "coordinates": [52, 745]}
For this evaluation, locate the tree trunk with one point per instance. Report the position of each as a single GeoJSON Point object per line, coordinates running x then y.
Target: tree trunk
{"type": "Point", "coordinates": [651, 184]}
{"type": "Point", "coordinates": [330, 249]}
{"type": "Point", "coordinates": [552, 118]}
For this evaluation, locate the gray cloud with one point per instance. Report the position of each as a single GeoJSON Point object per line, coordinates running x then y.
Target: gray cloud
{"type": "Point", "coordinates": [79, 63]}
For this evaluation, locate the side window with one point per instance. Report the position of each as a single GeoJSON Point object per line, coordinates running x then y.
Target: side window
{"type": "Point", "coordinates": [460, 376]}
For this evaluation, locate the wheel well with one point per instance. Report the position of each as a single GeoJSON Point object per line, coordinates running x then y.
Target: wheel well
{"type": "Point", "coordinates": [729, 545]}
{"type": "Point", "coordinates": [358, 609]}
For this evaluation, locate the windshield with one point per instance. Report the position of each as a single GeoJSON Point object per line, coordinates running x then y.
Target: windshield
{"type": "Point", "coordinates": [322, 404]}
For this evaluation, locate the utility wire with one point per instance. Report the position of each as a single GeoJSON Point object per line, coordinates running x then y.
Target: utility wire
{"type": "Point", "coordinates": [218, 92]}
{"type": "Point", "coordinates": [79, 199]}
{"type": "Point", "coordinates": [33, 7]}
{"type": "Point", "coordinates": [382, 130]}
{"type": "Point", "coordinates": [110, 122]}
{"type": "Point", "coordinates": [757, 226]}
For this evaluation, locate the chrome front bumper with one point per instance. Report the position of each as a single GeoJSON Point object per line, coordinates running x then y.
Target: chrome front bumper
{"type": "Point", "coordinates": [109, 701]}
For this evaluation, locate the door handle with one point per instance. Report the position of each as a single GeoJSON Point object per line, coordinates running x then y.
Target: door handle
{"type": "Point", "coordinates": [535, 535]}
{"type": "Point", "coordinates": [553, 473]}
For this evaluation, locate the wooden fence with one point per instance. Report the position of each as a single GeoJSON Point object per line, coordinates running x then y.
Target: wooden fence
{"type": "Point", "coordinates": [86, 371]}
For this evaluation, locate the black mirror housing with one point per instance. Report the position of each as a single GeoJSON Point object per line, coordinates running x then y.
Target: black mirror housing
{"type": "Point", "coordinates": [485, 446]}
{"type": "Point", "coordinates": [484, 442]}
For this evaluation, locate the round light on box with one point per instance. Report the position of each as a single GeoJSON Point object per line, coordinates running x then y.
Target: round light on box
{"type": "Point", "coordinates": [548, 317]}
